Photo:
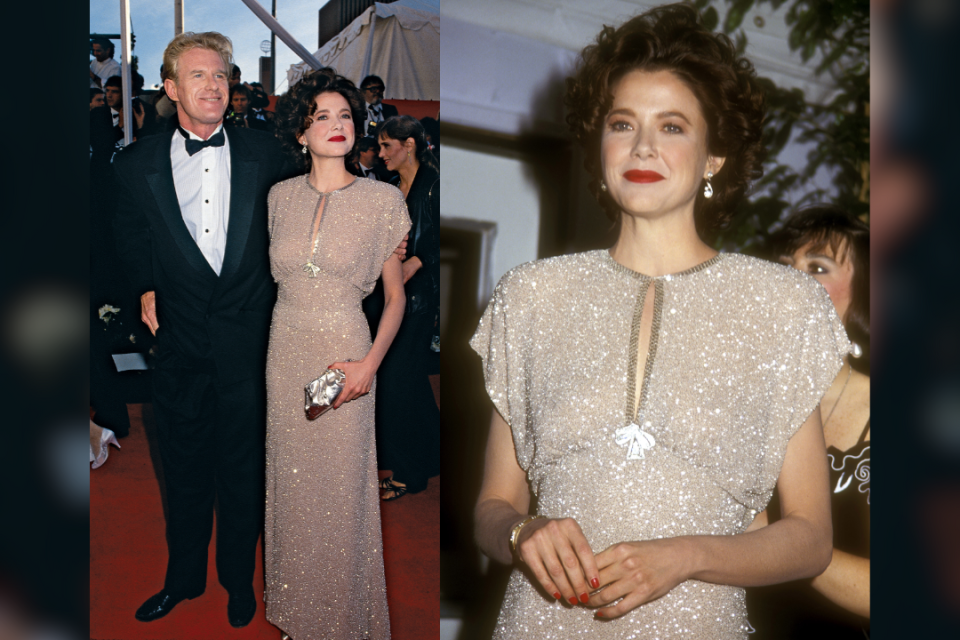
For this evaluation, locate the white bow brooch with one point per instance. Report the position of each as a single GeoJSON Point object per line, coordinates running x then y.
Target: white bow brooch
{"type": "Point", "coordinates": [635, 439]}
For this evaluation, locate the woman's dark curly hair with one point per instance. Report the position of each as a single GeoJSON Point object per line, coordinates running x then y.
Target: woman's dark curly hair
{"type": "Point", "coordinates": [673, 38]}
{"type": "Point", "coordinates": [296, 107]}
{"type": "Point", "coordinates": [402, 127]}
{"type": "Point", "coordinates": [848, 239]}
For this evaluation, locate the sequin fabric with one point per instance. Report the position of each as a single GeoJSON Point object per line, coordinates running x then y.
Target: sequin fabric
{"type": "Point", "coordinates": [323, 552]}
{"type": "Point", "coordinates": [740, 354]}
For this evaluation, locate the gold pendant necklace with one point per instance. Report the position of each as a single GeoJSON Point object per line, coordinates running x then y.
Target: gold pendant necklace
{"type": "Point", "coordinates": [309, 268]}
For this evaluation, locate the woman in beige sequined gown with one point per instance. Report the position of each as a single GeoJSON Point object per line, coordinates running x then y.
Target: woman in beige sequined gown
{"type": "Point", "coordinates": [331, 237]}
{"type": "Point", "coordinates": [651, 396]}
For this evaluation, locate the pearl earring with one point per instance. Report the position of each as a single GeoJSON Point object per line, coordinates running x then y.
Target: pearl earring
{"type": "Point", "coordinates": [856, 350]}
{"type": "Point", "coordinates": [603, 186]}
{"type": "Point", "coordinates": [708, 189]}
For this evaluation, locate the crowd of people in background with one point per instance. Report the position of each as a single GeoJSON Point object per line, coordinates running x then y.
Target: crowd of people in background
{"type": "Point", "coordinates": [249, 106]}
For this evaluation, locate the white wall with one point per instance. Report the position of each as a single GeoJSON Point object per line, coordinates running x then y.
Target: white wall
{"type": "Point", "coordinates": [493, 189]}
{"type": "Point", "coordinates": [501, 82]}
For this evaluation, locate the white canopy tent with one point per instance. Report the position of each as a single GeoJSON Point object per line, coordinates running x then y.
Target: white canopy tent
{"type": "Point", "coordinates": [404, 50]}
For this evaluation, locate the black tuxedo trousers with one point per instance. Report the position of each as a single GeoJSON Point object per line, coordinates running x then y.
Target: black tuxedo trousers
{"type": "Point", "coordinates": [211, 439]}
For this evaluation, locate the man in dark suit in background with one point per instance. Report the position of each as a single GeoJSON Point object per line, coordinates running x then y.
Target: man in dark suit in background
{"type": "Point", "coordinates": [372, 88]}
{"type": "Point", "coordinates": [368, 163]}
{"type": "Point", "coordinates": [106, 122]}
{"type": "Point", "coordinates": [191, 230]}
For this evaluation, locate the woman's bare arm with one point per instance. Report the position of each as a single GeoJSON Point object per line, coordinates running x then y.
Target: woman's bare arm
{"type": "Point", "coordinates": [504, 495]}
{"type": "Point", "coordinates": [847, 582]}
{"type": "Point", "coordinates": [394, 303]}
{"type": "Point", "coordinates": [360, 374]}
{"type": "Point", "coordinates": [555, 550]}
{"type": "Point", "coordinates": [797, 546]}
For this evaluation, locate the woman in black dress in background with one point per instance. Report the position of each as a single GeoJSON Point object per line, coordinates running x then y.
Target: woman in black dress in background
{"type": "Point", "coordinates": [408, 419]}
{"type": "Point", "coordinates": [834, 248]}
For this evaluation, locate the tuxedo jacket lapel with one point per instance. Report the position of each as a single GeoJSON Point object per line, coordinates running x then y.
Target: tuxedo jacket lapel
{"type": "Point", "coordinates": [244, 167]}
{"type": "Point", "coordinates": [160, 179]}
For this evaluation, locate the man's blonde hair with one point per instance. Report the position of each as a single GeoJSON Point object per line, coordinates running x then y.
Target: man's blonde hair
{"type": "Point", "coordinates": [216, 42]}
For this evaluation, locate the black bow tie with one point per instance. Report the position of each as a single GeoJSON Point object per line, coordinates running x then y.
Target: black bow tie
{"type": "Point", "coordinates": [193, 146]}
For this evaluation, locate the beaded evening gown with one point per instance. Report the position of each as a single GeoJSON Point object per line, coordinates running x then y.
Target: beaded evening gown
{"type": "Point", "coordinates": [740, 353]}
{"type": "Point", "coordinates": [323, 552]}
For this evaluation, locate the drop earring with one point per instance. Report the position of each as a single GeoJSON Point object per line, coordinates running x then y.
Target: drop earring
{"type": "Point", "coordinates": [603, 186]}
{"type": "Point", "coordinates": [708, 189]}
{"type": "Point", "coordinates": [855, 350]}
{"type": "Point", "coordinates": [304, 149]}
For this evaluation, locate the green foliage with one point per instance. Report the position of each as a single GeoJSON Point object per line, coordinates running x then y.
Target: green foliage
{"type": "Point", "coordinates": [838, 131]}
{"type": "Point", "coordinates": [710, 18]}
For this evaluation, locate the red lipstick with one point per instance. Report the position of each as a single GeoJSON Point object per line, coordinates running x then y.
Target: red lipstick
{"type": "Point", "coordinates": [337, 139]}
{"type": "Point", "coordinates": [642, 176]}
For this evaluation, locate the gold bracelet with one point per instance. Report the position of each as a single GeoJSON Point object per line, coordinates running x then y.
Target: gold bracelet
{"type": "Point", "coordinates": [515, 532]}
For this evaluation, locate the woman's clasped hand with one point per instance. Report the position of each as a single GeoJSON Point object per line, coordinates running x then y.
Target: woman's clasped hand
{"type": "Point", "coordinates": [614, 581]}
{"type": "Point", "coordinates": [560, 557]}
{"type": "Point", "coordinates": [358, 382]}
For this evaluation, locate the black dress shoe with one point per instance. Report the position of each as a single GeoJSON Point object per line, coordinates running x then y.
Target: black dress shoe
{"type": "Point", "coordinates": [240, 610]}
{"type": "Point", "coordinates": [157, 606]}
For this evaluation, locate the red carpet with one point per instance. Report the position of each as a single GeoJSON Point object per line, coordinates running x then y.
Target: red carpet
{"type": "Point", "coordinates": [128, 557]}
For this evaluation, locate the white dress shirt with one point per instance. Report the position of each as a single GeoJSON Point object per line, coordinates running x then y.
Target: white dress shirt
{"type": "Point", "coordinates": [202, 182]}
{"type": "Point", "coordinates": [103, 70]}
{"type": "Point", "coordinates": [375, 112]}
{"type": "Point", "coordinates": [368, 172]}
{"type": "Point", "coordinates": [121, 142]}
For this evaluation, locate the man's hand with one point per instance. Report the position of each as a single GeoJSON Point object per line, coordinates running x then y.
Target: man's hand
{"type": "Point", "coordinates": [138, 114]}
{"type": "Point", "coordinates": [148, 310]}
{"type": "Point", "coordinates": [95, 78]}
{"type": "Point", "coordinates": [401, 250]}
{"type": "Point", "coordinates": [410, 267]}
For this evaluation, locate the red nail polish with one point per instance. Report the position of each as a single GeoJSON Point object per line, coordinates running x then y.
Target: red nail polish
{"type": "Point", "coordinates": [599, 614]}
{"type": "Point", "coordinates": [573, 600]}
{"type": "Point", "coordinates": [595, 583]}
{"type": "Point", "coordinates": [584, 597]}
{"type": "Point", "coordinates": [556, 594]}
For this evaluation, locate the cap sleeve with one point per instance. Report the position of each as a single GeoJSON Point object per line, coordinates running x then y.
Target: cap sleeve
{"type": "Point", "coordinates": [498, 342]}
{"type": "Point", "coordinates": [395, 224]}
{"type": "Point", "coordinates": [273, 198]}
{"type": "Point", "coordinates": [812, 346]}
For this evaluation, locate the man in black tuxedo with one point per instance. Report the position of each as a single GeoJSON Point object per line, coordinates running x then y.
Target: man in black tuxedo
{"type": "Point", "coordinates": [368, 163]}
{"type": "Point", "coordinates": [106, 123]}
{"type": "Point", "coordinates": [191, 230]}
{"type": "Point", "coordinates": [372, 88]}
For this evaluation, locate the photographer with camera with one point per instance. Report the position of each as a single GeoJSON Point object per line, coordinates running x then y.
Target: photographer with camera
{"type": "Point", "coordinates": [372, 89]}
{"type": "Point", "coordinates": [106, 122]}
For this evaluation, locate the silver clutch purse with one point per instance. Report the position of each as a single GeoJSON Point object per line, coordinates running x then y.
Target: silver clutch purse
{"type": "Point", "coordinates": [320, 393]}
